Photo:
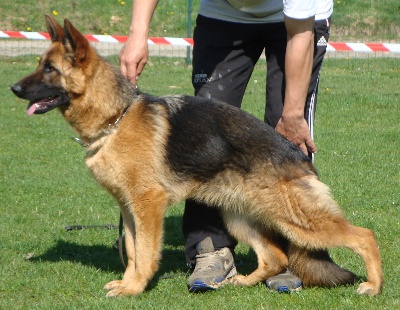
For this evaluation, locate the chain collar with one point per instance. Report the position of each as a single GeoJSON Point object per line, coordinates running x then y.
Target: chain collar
{"type": "Point", "coordinates": [112, 128]}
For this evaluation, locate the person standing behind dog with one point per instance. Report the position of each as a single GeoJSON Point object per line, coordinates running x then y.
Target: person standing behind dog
{"type": "Point", "coordinates": [229, 38]}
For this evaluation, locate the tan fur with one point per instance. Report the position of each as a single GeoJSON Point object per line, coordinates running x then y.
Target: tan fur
{"type": "Point", "coordinates": [129, 161]}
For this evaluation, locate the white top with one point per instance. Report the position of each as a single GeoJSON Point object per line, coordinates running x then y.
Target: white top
{"type": "Point", "coordinates": [265, 11]}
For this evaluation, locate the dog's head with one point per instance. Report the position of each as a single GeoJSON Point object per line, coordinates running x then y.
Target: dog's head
{"type": "Point", "coordinates": [61, 73]}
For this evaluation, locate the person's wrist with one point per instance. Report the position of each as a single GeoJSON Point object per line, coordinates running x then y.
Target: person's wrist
{"type": "Point", "coordinates": [293, 115]}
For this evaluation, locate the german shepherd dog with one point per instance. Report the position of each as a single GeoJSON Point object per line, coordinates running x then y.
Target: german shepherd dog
{"type": "Point", "coordinates": [150, 152]}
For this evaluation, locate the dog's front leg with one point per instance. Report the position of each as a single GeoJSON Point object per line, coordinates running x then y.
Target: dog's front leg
{"type": "Point", "coordinates": [143, 223]}
{"type": "Point", "coordinates": [129, 228]}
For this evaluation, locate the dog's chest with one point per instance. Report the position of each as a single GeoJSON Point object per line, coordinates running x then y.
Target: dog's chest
{"type": "Point", "coordinates": [103, 166]}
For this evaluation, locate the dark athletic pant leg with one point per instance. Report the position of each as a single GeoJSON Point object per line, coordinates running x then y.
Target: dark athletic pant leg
{"type": "Point", "coordinates": [224, 56]}
{"type": "Point", "coordinates": [222, 65]}
{"type": "Point", "coordinates": [275, 51]}
{"type": "Point", "coordinates": [321, 37]}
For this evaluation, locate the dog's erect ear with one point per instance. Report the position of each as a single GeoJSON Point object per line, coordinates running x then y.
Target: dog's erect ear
{"type": "Point", "coordinates": [55, 30]}
{"type": "Point", "coordinates": [75, 42]}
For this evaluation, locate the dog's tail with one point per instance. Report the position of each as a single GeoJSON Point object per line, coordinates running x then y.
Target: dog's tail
{"type": "Point", "coordinates": [316, 268]}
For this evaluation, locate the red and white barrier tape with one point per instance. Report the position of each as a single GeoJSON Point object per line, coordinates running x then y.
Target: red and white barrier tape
{"type": "Point", "coordinates": [331, 47]}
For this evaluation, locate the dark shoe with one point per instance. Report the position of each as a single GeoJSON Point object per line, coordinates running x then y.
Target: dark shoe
{"type": "Point", "coordinates": [284, 282]}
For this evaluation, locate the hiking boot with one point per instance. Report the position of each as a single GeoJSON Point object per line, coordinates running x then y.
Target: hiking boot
{"type": "Point", "coordinates": [284, 282]}
{"type": "Point", "coordinates": [213, 268]}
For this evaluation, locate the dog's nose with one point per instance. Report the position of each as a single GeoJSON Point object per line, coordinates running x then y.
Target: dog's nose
{"type": "Point", "coordinates": [16, 89]}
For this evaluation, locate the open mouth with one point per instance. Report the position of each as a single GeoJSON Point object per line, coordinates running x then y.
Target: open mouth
{"type": "Point", "coordinates": [43, 105]}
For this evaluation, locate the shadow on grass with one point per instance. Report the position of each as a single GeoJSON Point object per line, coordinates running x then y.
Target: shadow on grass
{"type": "Point", "coordinates": [107, 259]}
{"type": "Point", "coordinates": [98, 256]}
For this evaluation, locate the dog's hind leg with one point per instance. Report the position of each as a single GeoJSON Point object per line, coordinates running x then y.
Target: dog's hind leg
{"type": "Point", "coordinates": [143, 218]}
{"type": "Point", "coordinates": [271, 258]}
{"type": "Point", "coordinates": [343, 234]}
{"type": "Point", "coordinates": [363, 242]}
{"type": "Point", "coordinates": [313, 220]}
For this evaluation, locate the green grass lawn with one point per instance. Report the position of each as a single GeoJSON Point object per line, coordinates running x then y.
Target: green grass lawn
{"type": "Point", "coordinates": [44, 186]}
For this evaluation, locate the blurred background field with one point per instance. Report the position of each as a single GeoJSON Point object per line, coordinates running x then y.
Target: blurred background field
{"type": "Point", "coordinates": [352, 21]}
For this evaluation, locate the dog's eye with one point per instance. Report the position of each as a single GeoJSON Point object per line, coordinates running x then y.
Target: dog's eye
{"type": "Point", "coordinates": [48, 68]}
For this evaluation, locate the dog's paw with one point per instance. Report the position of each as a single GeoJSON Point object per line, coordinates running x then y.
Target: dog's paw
{"type": "Point", "coordinates": [117, 292]}
{"type": "Point", "coordinates": [241, 280]}
{"type": "Point", "coordinates": [118, 288]}
{"type": "Point", "coordinates": [113, 285]}
{"type": "Point", "coordinates": [123, 291]}
{"type": "Point", "coordinates": [368, 288]}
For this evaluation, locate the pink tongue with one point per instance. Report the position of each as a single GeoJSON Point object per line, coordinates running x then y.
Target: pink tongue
{"type": "Point", "coordinates": [31, 110]}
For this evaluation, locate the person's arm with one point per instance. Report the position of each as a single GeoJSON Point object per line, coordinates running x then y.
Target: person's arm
{"type": "Point", "coordinates": [134, 54]}
{"type": "Point", "coordinates": [298, 67]}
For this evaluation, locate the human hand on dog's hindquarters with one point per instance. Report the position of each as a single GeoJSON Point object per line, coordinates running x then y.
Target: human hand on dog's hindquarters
{"type": "Point", "coordinates": [296, 130]}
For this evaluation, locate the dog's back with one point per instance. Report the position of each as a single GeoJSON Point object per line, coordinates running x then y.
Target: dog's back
{"type": "Point", "coordinates": [207, 137]}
